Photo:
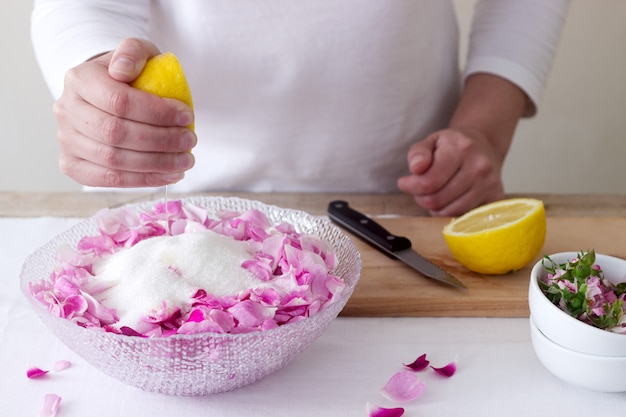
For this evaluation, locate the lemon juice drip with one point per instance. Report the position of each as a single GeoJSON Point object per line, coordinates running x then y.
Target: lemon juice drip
{"type": "Point", "coordinates": [167, 213]}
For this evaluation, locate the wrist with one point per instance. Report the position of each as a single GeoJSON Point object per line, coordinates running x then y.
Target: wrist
{"type": "Point", "coordinates": [492, 106]}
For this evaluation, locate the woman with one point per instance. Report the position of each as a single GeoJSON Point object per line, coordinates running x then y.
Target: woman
{"type": "Point", "coordinates": [335, 96]}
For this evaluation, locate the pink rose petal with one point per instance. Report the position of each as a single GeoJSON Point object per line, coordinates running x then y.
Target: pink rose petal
{"type": "Point", "coordinates": [403, 386]}
{"type": "Point", "coordinates": [61, 365]}
{"type": "Point", "coordinates": [250, 314]}
{"type": "Point", "coordinates": [35, 373]}
{"type": "Point", "coordinates": [418, 364]}
{"type": "Point", "coordinates": [376, 411]}
{"type": "Point", "coordinates": [297, 265]}
{"type": "Point", "coordinates": [51, 405]}
{"type": "Point", "coordinates": [447, 370]}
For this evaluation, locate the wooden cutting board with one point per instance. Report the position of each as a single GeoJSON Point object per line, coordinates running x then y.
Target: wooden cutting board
{"type": "Point", "coordinates": [389, 288]}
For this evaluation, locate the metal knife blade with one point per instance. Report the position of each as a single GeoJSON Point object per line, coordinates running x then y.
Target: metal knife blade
{"type": "Point", "coordinates": [394, 246]}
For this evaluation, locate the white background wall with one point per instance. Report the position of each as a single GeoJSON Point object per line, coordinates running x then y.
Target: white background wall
{"type": "Point", "coordinates": [577, 142]}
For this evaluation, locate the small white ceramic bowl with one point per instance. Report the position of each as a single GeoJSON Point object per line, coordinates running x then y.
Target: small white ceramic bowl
{"type": "Point", "coordinates": [566, 330]}
{"type": "Point", "coordinates": [596, 373]}
{"type": "Point", "coordinates": [203, 363]}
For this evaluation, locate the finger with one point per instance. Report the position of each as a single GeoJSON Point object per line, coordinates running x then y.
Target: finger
{"type": "Point", "coordinates": [77, 146]}
{"type": "Point", "coordinates": [458, 196]}
{"type": "Point", "coordinates": [438, 199]}
{"type": "Point", "coordinates": [432, 181]}
{"type": "Point", "coordinates": [128, 134]}
{"type": "Point", "coordinates": [420, 155]}
{"type": "Point", "coordinates": [468, 201]}
{"type": "Point", "coordinates": [94, 87]}
{"type": "Point", "coordinates": [129, 58]}
{"type": "Point", "coordinates": [450, 201]}
{"type": "Point", "coordinates": [127, 62]}
{"type": "Point", "coordinates": [448, 160]}
{"type": "Point", "coordinates": [457, 207]}
{"type": "Point", "coordinates": [94, 175]}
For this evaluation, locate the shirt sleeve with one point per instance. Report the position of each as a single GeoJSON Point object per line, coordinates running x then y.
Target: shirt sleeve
{"type": "Point", "coordinates": [516, 40]}
{"type": "Point", "coordinates": [65, 33]}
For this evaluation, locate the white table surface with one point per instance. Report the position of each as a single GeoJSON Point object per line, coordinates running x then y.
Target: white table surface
{"type": "Point", "coordinates": [498, 373]}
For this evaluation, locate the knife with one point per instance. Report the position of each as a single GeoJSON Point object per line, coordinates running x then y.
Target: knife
{"type": "Point", "coordinates": [394, 246]}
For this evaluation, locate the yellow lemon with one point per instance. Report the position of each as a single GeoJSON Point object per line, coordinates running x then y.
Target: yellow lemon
{"type": "Point", "coordinates": [163, 75]}
{"type": "Point", "coordinates": [498, 237]}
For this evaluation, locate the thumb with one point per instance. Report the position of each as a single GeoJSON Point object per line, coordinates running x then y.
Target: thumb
{"type": "Point", "coordinates": [130, 57]}
{"type": "Point", "coordinates": [420, 156]}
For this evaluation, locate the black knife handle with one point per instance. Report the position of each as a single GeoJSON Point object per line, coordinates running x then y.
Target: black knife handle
{"type": "Point", "coordinates": [358, 223]}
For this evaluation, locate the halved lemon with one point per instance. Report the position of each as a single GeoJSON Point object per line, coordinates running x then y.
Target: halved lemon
{"type": "Point", "coordinates": [498, 237]}
{"type": "Point", "coordinates": [164, 76]}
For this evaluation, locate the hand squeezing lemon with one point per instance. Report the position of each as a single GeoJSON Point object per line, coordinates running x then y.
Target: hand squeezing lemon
{"type": "Point", "coordinates": [163, 76]}
{"type": "Point", "coordinates": [498, 237]}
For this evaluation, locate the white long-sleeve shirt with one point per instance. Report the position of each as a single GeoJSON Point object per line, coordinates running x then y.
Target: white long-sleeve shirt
{"type": "Point", "coordinates": [309, 96]}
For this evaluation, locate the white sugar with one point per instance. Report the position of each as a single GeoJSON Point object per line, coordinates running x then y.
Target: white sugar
{"type": "Point", "coordinates": [172, 269]}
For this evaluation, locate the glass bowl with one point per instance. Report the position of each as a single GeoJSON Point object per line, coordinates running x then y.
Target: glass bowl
{"type": "Point", "coordinates": [205, 363]}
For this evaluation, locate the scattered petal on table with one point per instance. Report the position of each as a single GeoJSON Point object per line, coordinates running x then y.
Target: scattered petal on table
{"type": "Point", "coordinates": [376, 411]}
{"type": "Point", "coordinates": [403, 386]}
{"type": "Point", "coordinates": [61, 365]}
{"type": "Point", "coordinates": [447, 370]}
{"type": "Point", "coordinates": [35, 373]}
{"type": "Point", "coordinates": [418, 364]}
{"type": "Point", "coordinates": [51, 403]}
